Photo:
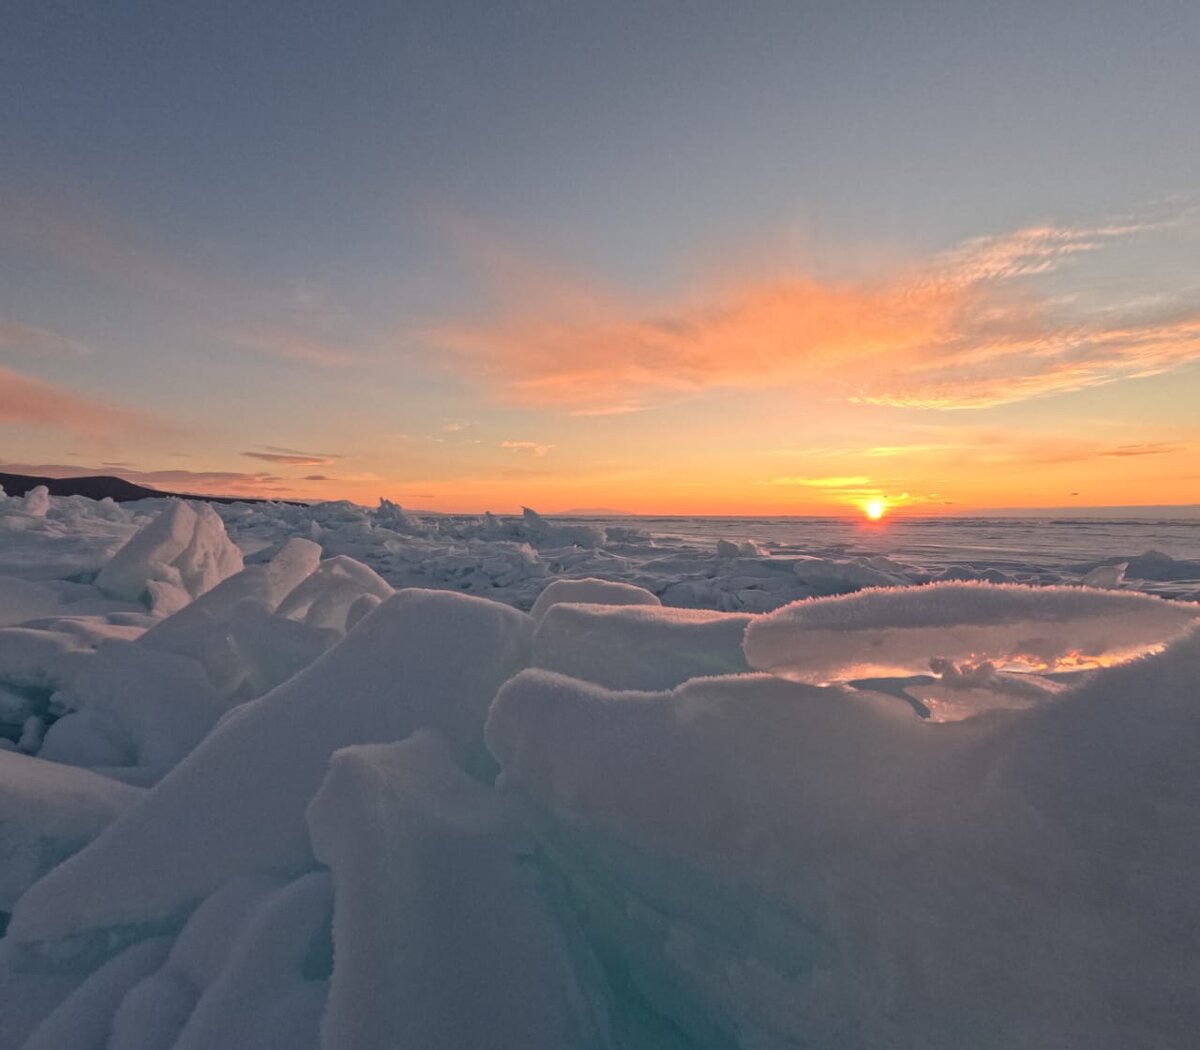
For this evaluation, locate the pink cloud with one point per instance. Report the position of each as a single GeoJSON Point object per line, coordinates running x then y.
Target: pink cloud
{"type": "Point", "coordinates": [35, 402]}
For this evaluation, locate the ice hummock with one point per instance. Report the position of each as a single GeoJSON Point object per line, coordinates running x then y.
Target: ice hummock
{"type": "Point", "coordinates": [896, 631]}
{"type": "Point", "coordinates": [445, 929]}
{"type": "Point", "coordinates": [426, 818]}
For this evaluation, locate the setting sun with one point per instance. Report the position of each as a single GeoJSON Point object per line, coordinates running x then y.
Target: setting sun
{"type": "Point", "coordinates": [875, 509]}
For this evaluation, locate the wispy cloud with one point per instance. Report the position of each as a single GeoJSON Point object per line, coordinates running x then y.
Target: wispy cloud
{"type": "Point", "coordinates": [29, 339]}
{"type": "Point", "coordinates": [969, 328]}
{"type": "Point", "coordinates": [35, 402]}
{"type": "Point", "coordinates": [294, 457]}
{"type": "Point", "coordinates": [868, 451]}
{"type": "Point", "coordinates": [281, 340]}
{"type": "Point", "coordinates": [849, 482]}
{"type": "Point", "coordinates": [1152, 449]}
{"type": "Point", "coordinates": [531, 448]}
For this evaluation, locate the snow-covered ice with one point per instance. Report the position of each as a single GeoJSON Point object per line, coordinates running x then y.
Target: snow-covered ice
{"type": "Point", "coordinates": [328, 777]}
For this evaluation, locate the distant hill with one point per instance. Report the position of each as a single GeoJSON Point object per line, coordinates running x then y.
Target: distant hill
{"type": "Point", "coordinates": [104, 485]}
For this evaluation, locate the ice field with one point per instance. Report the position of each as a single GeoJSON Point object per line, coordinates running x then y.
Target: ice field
{"type": "Point", "coordinates": [295, 777]}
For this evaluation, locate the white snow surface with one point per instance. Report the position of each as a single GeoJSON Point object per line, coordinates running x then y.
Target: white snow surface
{"type": "Point", "coordinates": [309, 777]}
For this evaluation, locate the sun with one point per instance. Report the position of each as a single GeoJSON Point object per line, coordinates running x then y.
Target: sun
{"type": "Point", "coordinates": [875, 509]}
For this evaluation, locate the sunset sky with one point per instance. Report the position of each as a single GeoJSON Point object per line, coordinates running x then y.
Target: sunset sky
{"type": "Point", "coordinates": [777, 258]}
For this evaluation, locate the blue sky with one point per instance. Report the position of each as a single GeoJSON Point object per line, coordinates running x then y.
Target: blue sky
{"type": "Point", "coordinates": [230, 228]}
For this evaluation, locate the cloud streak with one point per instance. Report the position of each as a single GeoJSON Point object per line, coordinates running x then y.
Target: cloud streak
{"type": "Point", "coordinates": [529, 448]}
{"type": "Point", "coordinates": [970, 328]}
{"type": "Point", "coordinates": [294, 457]}
{"type": "Point", "coordinates": [293, 343]}
{"type": "Point", "coordinates": [27, 338]}
{"type": "Point", "coordinates": [848, 482]}
{"type": "Point", "coordinates": [34, 402]}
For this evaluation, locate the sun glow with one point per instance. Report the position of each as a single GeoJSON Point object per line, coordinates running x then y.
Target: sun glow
{"type": "Point", "coordinates": [875, 509]}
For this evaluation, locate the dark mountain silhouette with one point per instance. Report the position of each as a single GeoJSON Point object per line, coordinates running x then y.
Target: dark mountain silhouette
{"type": "Point", "coordinates": [102, 485]}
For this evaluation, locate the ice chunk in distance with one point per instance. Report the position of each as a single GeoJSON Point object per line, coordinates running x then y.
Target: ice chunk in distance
{"type": "Point", "coordinates": [37, 502]}
{"type": "Point", "coordinates": [592, 592]}
{"type": "Point", "coordinates": [832, 576]}
{"type": "Point", "coordinates": [638, 647]}
{"type": "Point", "coordinates": [324, 599]}
{"type": "Point", "coordinates": [185, 546]}
{"type": "Point", "coordinates": [235, 805]}
{"type": "Point", "coordinates": [147, 552]}
{"type": "Point", "coordinates": [898, 630]}
{"type": "Point", "coordinates": [444, 933]}
{"type": "Point", "coordinates": [1106, 577]}
{"type": "Point", "coordinates": [158, 705]}
{"type": "Point", "coordinates": [187, 631]}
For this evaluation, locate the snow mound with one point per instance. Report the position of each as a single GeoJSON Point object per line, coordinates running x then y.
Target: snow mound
{"type": "Point", "coordinates": [149, 708]}
{"type": "Point", "coordinates": [235, 805]}
{"type": "Point", "coordinates": [767, 863]}
{"type": "Point", "coordinates": [836, 576]}
{"type": "Point", "coordinates": [445, 935]}
{"type": "Point", "coordinates": [21, 600]}
{"type": "Point", "coordinates": [47, 813]}
{"type": "Point", "coordinates": [593, 592]}
{"type": "Point", "coordinates": [638, 647]}
{"type": "Point", "coordinates": [84, 1018]}
{"type": "Point", "coordinates": [897, 631]}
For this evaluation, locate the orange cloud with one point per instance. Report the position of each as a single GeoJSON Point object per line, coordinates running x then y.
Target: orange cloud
{"type": "Point", "coordinates": [967, 329]}
{"type": "Point", "coordinates": [847, 482]}
{"type": "Point", "coordinates": [531, 448]}
{"type": "Point", "coordinates": [29, 401]}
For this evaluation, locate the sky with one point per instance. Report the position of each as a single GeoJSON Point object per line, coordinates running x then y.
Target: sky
{"type": "Point", "coordinates": [685, 258]}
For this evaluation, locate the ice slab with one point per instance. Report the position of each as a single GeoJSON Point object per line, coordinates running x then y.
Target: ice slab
{"type": "Point", "coordinates": [766, 863]}
{"type": "Point", "coordinates": [896, 631]}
